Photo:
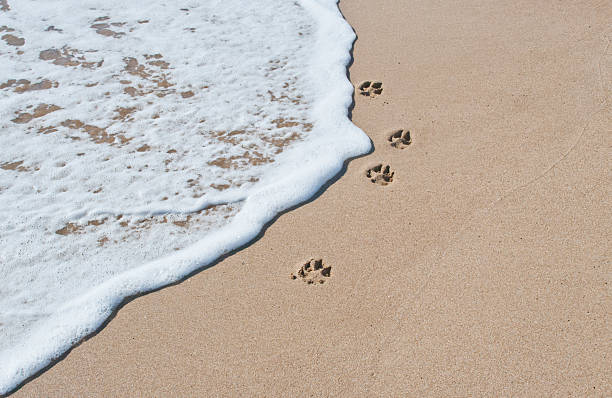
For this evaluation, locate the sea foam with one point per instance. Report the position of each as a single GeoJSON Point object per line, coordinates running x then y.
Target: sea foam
{"type": "Point", "coordinates": [143, 140]}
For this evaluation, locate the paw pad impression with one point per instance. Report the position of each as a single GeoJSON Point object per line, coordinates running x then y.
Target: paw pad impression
{"type": "Point", "coordinates": [313, 271]}
{"type": "Point", "coordinates": [370, 89]}
{"type": "Point", "coordinates": [380, 174]}
{"type": "Point", "coordinates": [400, 138]}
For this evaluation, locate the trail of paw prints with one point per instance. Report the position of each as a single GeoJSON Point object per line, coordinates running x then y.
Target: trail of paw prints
{"type": "Point", "coordinates": [313, 271]}
{"type": "Point", "coordinates": [381, 175]}
{"type": "Point", "coordinates": [370, 89]}
{"type": "Point", "coordinates": [400, 138]}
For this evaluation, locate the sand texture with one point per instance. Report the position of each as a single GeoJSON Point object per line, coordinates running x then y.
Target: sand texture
{"type": "Point", "coordinates": [480, 265]}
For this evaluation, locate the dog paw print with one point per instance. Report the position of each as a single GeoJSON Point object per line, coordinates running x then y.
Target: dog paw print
{"type": "Point", "coordinates": [400, 138]}
{"type": "Point", "coordinates": [370, 89]}
{"type": "Point", "coordinates": [313, 271]}
{"type": "Point", "coordinates": [381, 175]}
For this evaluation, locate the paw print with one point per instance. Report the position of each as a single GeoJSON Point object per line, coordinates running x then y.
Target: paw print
{"type": "Point", "coordinates": [381, 175]}
{"type": "Point", "coordinates": [400, 138]}
{"type": "Point", "coordinates": [370, 89]}
{"type": "Point", "coordinates": [313, 271]}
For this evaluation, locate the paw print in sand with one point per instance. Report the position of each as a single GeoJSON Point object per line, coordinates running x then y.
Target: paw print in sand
{"type": "Point", "coordinates": [313, 271]}
{"type": "Point", "coordinates": [400, 138]}
{"type": "Point", "coordinates": [381, 175]}
{"type": "Point", "coordinates": [370, 89]}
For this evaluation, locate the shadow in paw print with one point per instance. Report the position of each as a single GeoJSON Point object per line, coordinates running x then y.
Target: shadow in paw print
{"type": "Point", "coordinates": [379, 174]}
{"type": "Point", "coordinates": [313, 271]}
{"type": "Point", "coordinates": [370, 89]}
{"type": "Point", "coordinates": [400, 138]}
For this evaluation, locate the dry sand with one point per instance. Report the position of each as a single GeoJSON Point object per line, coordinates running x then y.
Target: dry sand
{"type": "Point", "coordinates": [483, 268]}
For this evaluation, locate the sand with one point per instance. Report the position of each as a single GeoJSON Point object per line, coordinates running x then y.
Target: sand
{"type": "Point", "coordinates": [482, 268]}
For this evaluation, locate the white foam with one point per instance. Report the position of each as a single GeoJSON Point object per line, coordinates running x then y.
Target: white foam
{"type": "Point", "coordinates": [96, 200]}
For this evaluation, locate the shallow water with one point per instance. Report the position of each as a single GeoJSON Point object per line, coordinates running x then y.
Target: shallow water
{"type": "Point", "coordinates": [142, 140]}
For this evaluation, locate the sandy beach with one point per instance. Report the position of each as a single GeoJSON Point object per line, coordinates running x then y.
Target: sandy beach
{"type": "Point", "coordinates": [482, 268]}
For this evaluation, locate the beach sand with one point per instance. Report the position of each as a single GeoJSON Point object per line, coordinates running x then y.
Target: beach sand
{"type": "Point", "coordinates": [482, 268]}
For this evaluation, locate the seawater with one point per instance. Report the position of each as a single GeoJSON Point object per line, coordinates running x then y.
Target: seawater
{"type": "Point", "coordinates": [141, 140]}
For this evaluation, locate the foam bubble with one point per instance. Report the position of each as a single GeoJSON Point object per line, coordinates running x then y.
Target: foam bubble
{"type": "Point", "coordinates": [143, 140]}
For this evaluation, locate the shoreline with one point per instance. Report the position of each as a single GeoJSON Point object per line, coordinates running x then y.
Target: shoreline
{"type": "Point", "coordinates": [480, 269]}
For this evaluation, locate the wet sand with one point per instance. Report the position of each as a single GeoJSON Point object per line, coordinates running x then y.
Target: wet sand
{"type": "Point", "coordinates": [482, 268]}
